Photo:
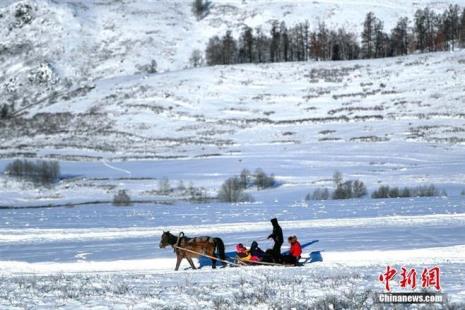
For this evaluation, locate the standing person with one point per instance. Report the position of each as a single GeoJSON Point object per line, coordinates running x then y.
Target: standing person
{"type": "Point", "coordinates": [277, 236]}
{"type": "Point", "coordinates": [294, 253]}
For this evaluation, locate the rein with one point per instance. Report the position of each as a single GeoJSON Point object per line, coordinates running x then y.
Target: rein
{"type": "Point", "coordinates": [180, 236]}
{"type": "Point", "coordinates": [176, 246]}
{"type": "Point", "coordinates": [175, 241]}
{"type": "Point", "coordinates": [205, 255]}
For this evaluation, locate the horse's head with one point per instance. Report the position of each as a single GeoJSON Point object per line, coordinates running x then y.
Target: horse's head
{"type": "Point", "coordinates": [165, 239]}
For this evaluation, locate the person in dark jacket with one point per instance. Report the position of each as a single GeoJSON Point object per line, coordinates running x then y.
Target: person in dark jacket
{"type": "Point", "coordinates": [277, 236]}
{"type": "Point", "coordinates": [256, 251]}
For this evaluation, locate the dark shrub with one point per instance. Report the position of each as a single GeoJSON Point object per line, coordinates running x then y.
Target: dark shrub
{"type": "Point", "coordinates": [319, 194]}
{"type": "Point", "coordinates": [405, 192]}
{"type": "Point", "coordinates": [343, 190]}
{"type": "Point", "coordinates": [426, 191]}
{"type": "Point", "coordinates": [200, 8]}
{"type": "Point", "coordinates": [245, 178]}
{"type": "Point", "coordinates": [5, 112]}
{"type": "Point", "coordinates": [358, 189]}
{"type": "Point", "coordinates": [39, 172]}
{"type": "Point", "coordinates": [381, 192]}
{"type": "Point", "coordinates": [262, 180]}
{"type": "Point", "coordinates": [385, 191]}
{"type": "Point", "coordinates": [121, 198]}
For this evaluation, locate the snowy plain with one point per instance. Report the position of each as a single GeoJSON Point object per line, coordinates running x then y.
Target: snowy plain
{"type": "Point", "coordinates": [73, 256]}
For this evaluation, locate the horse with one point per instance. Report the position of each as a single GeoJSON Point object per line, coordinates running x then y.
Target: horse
{"type": "Point", "coordinates": [195, 247]}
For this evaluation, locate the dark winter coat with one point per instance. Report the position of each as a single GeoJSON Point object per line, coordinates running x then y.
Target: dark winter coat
{"type": "Point", "coordinates": [277, 234]}
{"type": "Point", "coordinates": [256, 251]}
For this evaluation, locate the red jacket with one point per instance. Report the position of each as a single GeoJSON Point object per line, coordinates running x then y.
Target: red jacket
{"type": "Point", "coordinates": [296, 249]}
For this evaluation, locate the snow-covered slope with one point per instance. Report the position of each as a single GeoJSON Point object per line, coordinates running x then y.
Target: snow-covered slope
{"type": "Point", "coordinates": [113, 37]}
{"type": "Point", "coordinates": [53, 48]}
{"type": "Point", "coordinates": [219, 110]}
{"type": "Point", "coordinates": [81, 76]}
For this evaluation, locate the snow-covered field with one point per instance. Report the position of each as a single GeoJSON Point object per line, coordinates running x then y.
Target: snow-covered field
{"type": "Point", "coordinates": [101, 255]}
{"type": "Point", "coordinates": [299, 167]}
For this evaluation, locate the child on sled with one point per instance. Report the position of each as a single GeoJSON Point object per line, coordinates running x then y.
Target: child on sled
{"type": "Point", "coordinates": [255, 254]}
{"type": "Point", "coordinates": [294, 253]}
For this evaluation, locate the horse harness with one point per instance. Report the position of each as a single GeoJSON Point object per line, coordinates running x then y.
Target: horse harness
{"type": "Point", "coordinates": [183, 241]}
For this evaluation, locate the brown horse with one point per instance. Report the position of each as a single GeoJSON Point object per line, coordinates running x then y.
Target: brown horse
{"type": "Point", "coordinates": [201, 245]}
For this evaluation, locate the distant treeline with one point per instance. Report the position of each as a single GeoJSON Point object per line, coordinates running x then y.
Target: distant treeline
{"type": "Point", "coordinates": [357, 189]}
{"type": "Point", "coordinates": [429, 31]}
{"type": "Point", "coordinates": [386, 191]}
{"type": "Point", "coordinates": [343, 189]}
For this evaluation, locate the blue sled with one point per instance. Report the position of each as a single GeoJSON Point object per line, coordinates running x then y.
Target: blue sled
{"type": "Point", "coordinates": [314, 256]}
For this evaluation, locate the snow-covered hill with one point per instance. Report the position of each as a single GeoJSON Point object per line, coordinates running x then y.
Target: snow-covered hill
{"type": "Point", "coordinates": [219, 110]}
{"type": "Point", "coordinates": [92, 39]}
{"type": "Point", "coordinates": [54, 50]}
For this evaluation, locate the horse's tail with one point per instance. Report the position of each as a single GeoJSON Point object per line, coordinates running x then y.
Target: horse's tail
{"type": "Point", "coordinates": [220, 249]}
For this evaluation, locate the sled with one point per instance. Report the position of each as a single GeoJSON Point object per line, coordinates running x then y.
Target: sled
{"type": "Point", "coordinates": [314, 256]}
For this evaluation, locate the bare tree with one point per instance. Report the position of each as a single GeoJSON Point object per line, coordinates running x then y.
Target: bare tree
{"type": "Point", "coordinates": [196, 59]}
{"type": "Point", "coordinates": [231, 191]}
{"type": "Point", "coordinates": [337, 178]}
{"type": "Point", "coordinates": [164, 186]}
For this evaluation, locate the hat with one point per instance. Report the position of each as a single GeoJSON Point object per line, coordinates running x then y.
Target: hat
{"type": "Point", "coordinates": [240, 248]}
{"type": "Point", "coordinates": [292, 238]}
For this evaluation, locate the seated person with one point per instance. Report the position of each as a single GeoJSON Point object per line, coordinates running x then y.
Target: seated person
{"type": "Point", "coordinates": [242, 252]}
{"type": "Point", "coordinates": [256, 251]}
{"type": "Point", "coordinates": [252, 255]}
{"type": "Point", "coordinates": [269, 256]}
{"type": "Point", "coordinates": [294, 253]}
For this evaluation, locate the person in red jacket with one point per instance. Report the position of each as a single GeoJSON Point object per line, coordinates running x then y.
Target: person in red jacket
{"type": "Point", "coordinates": [294, 253]}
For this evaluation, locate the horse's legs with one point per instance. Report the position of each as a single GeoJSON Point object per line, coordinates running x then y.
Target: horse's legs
{"type": "Point", "coordinates": [178, 262]}
{"type": "Point", "coordinates": [212, 253]}
{"type": "Point", "coordinates": [189, 259]}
